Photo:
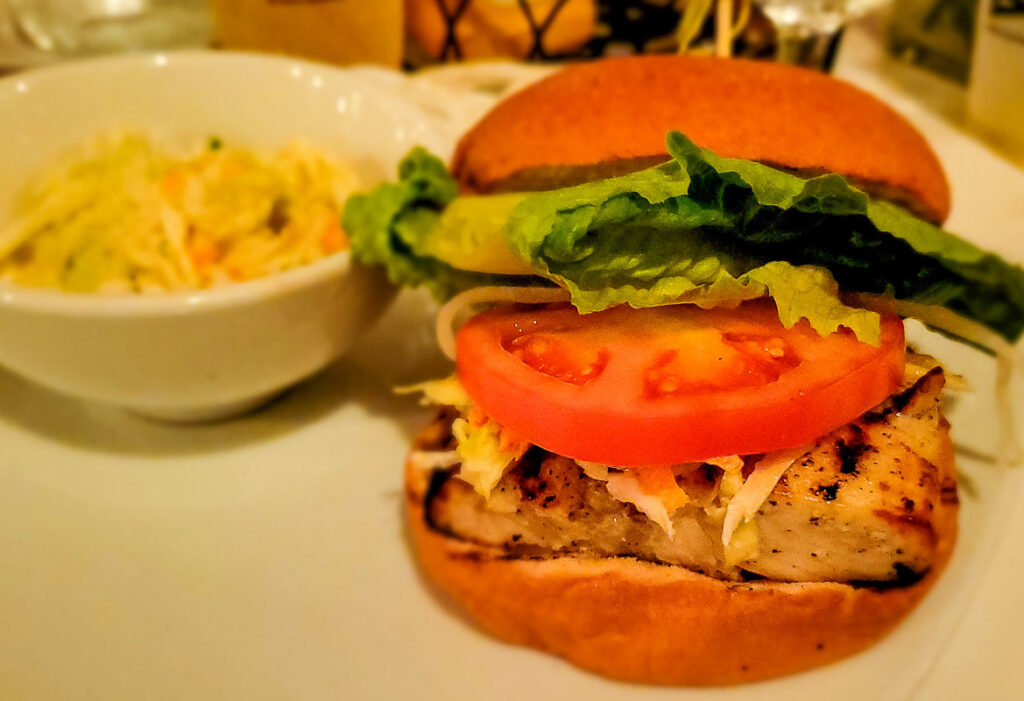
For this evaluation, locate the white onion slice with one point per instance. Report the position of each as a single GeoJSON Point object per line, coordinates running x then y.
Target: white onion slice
{"type": "Point", "coordinates": [455, 309]}
{"type": "Point", "coordinates": [430, 460]}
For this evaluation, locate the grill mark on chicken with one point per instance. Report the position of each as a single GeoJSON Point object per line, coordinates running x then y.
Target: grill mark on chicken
{"type": "Point", "coordinates": [912, 521]}
{"type": "Point", "coordinates": [549, 481]}
{"type": "Point", "coordinates": [851, 450]}
{"type": "Point", "coordinates": [949, 494]}
{"type": "Point", "coordinates": [864, 505]}
{"type": "Point", "coordinates": [827, 492]}
{"type": "Point", "coordinates": [437, 482]}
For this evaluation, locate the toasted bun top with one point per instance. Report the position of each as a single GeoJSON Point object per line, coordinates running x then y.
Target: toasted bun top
{"type": "Point", "coordinates": [611, 116]}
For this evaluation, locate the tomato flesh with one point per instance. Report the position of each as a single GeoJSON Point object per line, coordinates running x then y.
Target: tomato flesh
{"type": "Point", "coordinates": [670, 384]}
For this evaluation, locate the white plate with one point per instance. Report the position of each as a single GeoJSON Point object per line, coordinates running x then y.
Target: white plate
{"type": "Point", "coordinates": [266, 558]}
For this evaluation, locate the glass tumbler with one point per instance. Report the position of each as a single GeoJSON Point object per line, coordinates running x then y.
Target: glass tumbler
{"type": "Point", "coordinates": [92, 27]}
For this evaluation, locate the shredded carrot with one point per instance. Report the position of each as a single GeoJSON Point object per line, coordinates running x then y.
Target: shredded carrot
{"type": "Point", "coordinates": [203, 251]}
{"type": "Point", "coordinates": [232, 168]}
{"type": "Point", "coordinates": [333, 238]}
{"type": "Point", "coordinates": [655, 479]}
{"type": "Point", "coordinates": [476, 417]}
{"type": "Point", "coordinates": [660, 481]}
{"type": "Point", "coordinates": [511, 442]}
{"type": "Point", "coordinates": [508, 441]}
{"type": "Point", "coordinates": [172, 185]}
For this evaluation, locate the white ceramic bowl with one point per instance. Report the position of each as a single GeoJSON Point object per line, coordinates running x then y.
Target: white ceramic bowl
{"type": "Point", "coordinates": [204, 354]}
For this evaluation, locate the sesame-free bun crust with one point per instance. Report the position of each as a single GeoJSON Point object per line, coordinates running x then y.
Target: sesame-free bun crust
{"type": "Point", "coordinates": [611, 116]}
{"type": "Point", "coordinates": [658, 624]}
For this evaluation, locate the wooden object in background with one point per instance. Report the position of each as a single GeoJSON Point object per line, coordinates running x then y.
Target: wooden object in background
{"type": "Point", "coordinates": [335, 31]}
{"type": "Point", "coordinates": [456, 30]}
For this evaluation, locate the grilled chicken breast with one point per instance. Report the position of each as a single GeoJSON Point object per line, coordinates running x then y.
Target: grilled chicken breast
{"type": "Point", "coordinates": [864, 503]}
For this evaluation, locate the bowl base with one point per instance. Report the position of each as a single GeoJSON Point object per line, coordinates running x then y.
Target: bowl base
{"type": "Point", "coordinates": [205, 414]}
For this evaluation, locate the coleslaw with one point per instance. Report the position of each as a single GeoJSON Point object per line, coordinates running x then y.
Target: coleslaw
{"type": "Point", "coordinates": [125, 215]}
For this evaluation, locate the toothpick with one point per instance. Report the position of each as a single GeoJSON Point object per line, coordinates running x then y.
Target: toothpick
{"type": "Point", "coordinates": [723, 28]}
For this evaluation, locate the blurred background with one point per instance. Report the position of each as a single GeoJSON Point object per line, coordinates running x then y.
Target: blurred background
{"type": "Point", "coordinates": [975, 46]}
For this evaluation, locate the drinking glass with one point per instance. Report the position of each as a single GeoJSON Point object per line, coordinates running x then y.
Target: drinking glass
{"type": "Point", "coordinates": [807, 31]}
{"type": "Point", "coordinates": [91, 27]}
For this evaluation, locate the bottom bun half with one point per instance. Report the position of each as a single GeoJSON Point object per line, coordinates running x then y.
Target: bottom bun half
{"type": "Point", "coordinates": [643, 622]}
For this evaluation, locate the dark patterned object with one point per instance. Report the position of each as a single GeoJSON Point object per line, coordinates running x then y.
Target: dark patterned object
{"type": "Point", "coordinates": [539, 25]}
{"type": "Point", "coordinates": [622, 27]}
{"type": "Point", "coordinates": [1008, 7]}
{"type": "Point", "coordinates": [627, 27]}
{"type": "Point", "coordinates": [451, 50]}
{"type": "Point", "coordinates": [634, 27]}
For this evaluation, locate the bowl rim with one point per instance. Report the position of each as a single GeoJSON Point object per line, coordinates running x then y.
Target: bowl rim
{"type": "Point", "coordinates": [175, 303]}
{"type": "Point", "coordinates": [168, 59]}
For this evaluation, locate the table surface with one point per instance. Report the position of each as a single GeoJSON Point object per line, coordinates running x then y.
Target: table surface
{"type": "Point", "coordinates": [967, 668]}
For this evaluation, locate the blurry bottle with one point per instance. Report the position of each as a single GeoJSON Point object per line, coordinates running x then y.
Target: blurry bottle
{"type": "Point", "coordinates": [334, 31]}
{"type": "Point", "coordinates": [808, 32]}
{"type": "Point", "coordinates": [995, 96]}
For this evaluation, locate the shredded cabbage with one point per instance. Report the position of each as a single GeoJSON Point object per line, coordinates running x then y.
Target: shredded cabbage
{"type": "Point", "coordinates": [484, 460]}
{"type": "Point", "coordinates": [744, 544]}
{"type": "Point", "coordinates": [124, 215]}
{"type": "Point", "coordinates": [445, 392]}
{"type": "Point", "coordinates": [658, 502]}
{"type": "Point", "coordinates": [483, 451]}
{"type": "Point", "coordinates": [756, 489]}
{"type": "Point", "coordinates": [625, 487]}
{"type": "Point", "coordinates": [430, 460]}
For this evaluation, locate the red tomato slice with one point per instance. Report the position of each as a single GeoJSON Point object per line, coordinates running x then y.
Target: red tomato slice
{"type": "Point", "coordinates": [671, 384]}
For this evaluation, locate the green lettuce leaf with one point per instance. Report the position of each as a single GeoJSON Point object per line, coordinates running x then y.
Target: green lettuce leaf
{"type": "Point", "coordinates": [705, 229]}
{"type": "Point", "coordinates": [394, 225]}
{"type": "Point", "coordinates": [700, 228]}
{"type": "Point", "coordinates": [641, 240]}
{"type": "Point", "coordinates": [869, 246]}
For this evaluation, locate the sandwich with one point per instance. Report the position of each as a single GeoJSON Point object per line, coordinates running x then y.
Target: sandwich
{"type": "Point", "coordinates": [685, 442]}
